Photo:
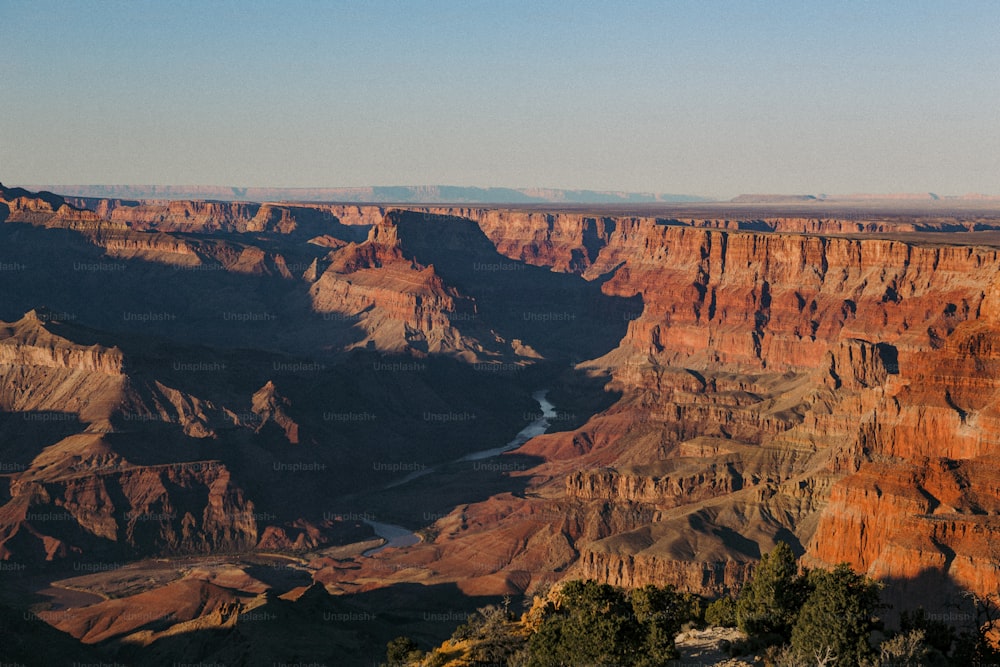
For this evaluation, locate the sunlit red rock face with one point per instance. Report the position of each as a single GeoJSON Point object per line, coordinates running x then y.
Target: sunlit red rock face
{"type": "Point", "coordinates": [400, 304]}
{"type": "Point", "coordinates": [835, 391]}
{"type": "Point", "coordinates": [240, 217]}
{"type": "Point", "coordinates": [926, 494]}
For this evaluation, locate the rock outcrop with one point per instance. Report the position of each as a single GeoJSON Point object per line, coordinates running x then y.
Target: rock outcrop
{"type": "Point", "coordinates": [400, 304]}
{"type": "Point", "coordinates": [270, 406]}
{"type": "Point", "coordinates": [29, 342]}
{"type": "Point", "coordinates": [124, 511]}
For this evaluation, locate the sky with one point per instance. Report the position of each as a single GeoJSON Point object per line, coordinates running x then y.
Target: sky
{"type": "Point", "coordinates": [703, 97]}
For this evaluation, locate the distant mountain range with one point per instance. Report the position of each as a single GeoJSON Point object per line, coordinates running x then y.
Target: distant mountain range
{"type": "Point", "coordinates": [404, 194]}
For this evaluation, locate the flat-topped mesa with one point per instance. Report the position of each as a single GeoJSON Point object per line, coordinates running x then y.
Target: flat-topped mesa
{"type": "Point", "coordinates": [44, 209]}
{"type": "Point", "coordinates": [189, 216]}
{"type": "Point", "coordinates": [34, 340]}
{"type": "Point", "coordinates": [781, 301]}
{"type": "Point", "coordinates": [162, 248]}
{"type": "Point", "coordinates": [198, 216]}
{"type": "Point", "coordinates": [570, 241]}
{"type": "Point", "coordinates": [352, 215]}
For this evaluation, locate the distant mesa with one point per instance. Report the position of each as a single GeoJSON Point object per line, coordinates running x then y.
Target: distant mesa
{"type": "Point", "coordinates": [404, 194]}
{"type": "Point", "coordinates": [772, 199]}
{"type": "Point", "coordinates": [868, 197]}
{"type": "Point", "coordinates": [447, 194]}
{"type": "Point", "coordinates": [896, 196]}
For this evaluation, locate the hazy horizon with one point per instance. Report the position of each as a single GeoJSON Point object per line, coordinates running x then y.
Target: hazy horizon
{"type": "Point", "coordinates": [682, 98]}
{"type": "Point", "coordinates": [423, 193]}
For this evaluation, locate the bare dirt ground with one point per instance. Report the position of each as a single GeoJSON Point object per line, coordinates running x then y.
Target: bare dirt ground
{"type": "Point", "coordinates": [704, 648]}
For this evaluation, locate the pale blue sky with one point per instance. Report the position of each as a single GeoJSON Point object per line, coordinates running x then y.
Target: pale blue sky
{"type": "Point", "coordinates": [700, 97]}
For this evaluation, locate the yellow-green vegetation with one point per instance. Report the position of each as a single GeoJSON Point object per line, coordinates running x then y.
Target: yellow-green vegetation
{"type": "Point", "coordinates": [790, 617]}
{"type": "Point", "coordinates": [577, 622]}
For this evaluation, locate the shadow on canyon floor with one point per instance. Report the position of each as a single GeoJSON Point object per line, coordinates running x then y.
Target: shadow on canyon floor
{"type": "Point", "coordinates": [318, 628]}
{"type": "Point", "coordinates": [354, 629]}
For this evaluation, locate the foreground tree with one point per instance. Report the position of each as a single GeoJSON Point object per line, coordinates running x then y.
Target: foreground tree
{"type": "Point", "coordinates": [590, 623]}
{"type": "Point", "coordinates": [402, 651]}
{"type": "Point", "coordinates": [837, 617]}
{"type": "Point", "coordinates": [661, 612]}
{"type": "Point", "coordinates": [770, 602]}
{"type": "Point", "coordinates": [722, 612]}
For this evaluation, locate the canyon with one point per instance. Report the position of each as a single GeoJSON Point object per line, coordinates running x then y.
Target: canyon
{"type": "Point", "coordinates": [237, 391]}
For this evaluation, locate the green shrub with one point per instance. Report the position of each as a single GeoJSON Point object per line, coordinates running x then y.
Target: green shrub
{"type": "Point", "coordinates": [770, 602]}
{"type": "Point", "coordinates": [594, 623]}
{"type": "Point", "coordinates": [837, 617]}
{"type": "Point", "coordinates": [402, 651]}
{"type": "Point", "coordinates": [722, 612]}
{"type": "Point", "coordinates": [661, 612]}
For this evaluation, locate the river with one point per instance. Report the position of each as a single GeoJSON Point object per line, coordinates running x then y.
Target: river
{"type": "Point", "coordinates": [394, 536]}
{"type": "Point", "coordinates": [537, 427]}
{"type": "Point", "coordinates": [398, 536]}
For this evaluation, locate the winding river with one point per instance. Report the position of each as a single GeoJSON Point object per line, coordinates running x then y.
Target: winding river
{"type": "Point", "coordinates": [537, 427]}
{"type": "Point", "coordinates": [398, 536]}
